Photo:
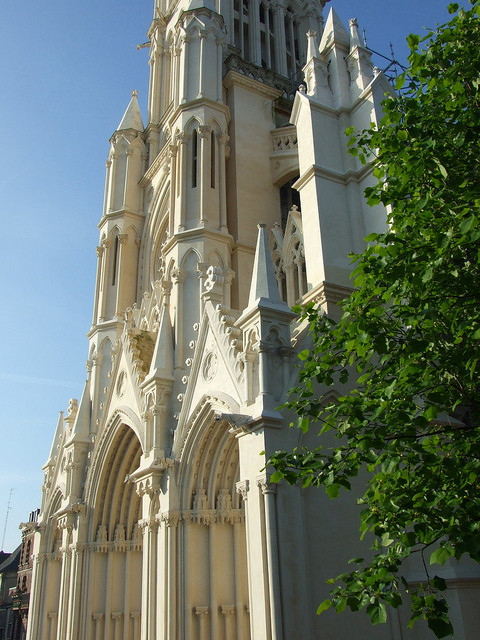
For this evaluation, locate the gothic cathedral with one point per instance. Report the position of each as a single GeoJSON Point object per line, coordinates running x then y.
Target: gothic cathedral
{"type": "Point", "coordinates": [235, 201]}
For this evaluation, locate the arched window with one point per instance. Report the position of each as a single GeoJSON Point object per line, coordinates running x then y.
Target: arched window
{"type": "Point", "coordinates": [241, 21]}
{"type": "Point", "coordinates": [194, 157]}
{"type": "Point", "coordinates": [291, 41]}
{"type": "Point", "coordinates": [115, 261]}
{"type": "Point", "coordinates": [212, 160]}
{"type": "Point", "coordinates": [267, 52]}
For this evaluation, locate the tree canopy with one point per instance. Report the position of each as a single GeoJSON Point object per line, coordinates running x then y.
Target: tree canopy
{"type": "Point", "coordinates": [406, 349]}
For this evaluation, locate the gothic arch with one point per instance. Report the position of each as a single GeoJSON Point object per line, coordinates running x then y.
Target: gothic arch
{"type": "Point", "coordinates": [107, 464]}
{"type": "Point", "coordinates": [154, 229]}
{"type": "Point", "coordinates": [214, 520]}
{"type": "Point", "coordinates": [209, 458]}
{"type": "Point", "coordinates": [214, 258]}
{"type": "Point", "coordinates": [117, 506]}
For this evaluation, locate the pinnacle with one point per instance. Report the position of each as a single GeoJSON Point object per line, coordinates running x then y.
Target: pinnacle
{"type": "Point", "coordinates": [132, 118]}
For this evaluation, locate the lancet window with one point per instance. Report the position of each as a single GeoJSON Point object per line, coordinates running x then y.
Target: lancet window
{"type": "Point", "coordinates": [194, 158]}
{"type": "Point", "coordinates": [289, 258]}
{"type": "Point", "coordinates": [241, 12]}
{"type": "Point", "coordinates": [212, 160]}
{"type": "Point", "coordinates": [292, 42]}
{"type": "Point", "coordinates": [266, 36]}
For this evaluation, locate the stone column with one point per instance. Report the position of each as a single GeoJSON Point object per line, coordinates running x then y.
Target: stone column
{"type": "Point", "coordinates": [149, 578]}
{"type": "Point", "coordinates": [300, 262]}
{"type": "Point", "coordinates": [267, 35]}
{"type": "Point", "coordinates": [203, 35]}
{"type": "Point", "coordinates": [108, 165]}
{"type": "Point", "coordinates": [172, 152]}
{"type": "Point", "coordinates": [117, 625]}
{"type": "Point", "coordinates": [121, 259]}
{"type": "Point", "coordinates": [268, 491]}
{"type": "Point", "coordinates": [222, 184]}
{"type": "Point", "coordinates": [97, 284]}
{"type": "Point", "coordinates": [52, 624]}
{"type": "Point", "coordinates": [113, 176]}
{"type": "Point", "coordinates": [227, 611]}
{"type": "Point", "coordinates": [202, 613]}
{"type": "Point", "coordinates": [178, 277]}
{"type": "Point", "coordinates": [185, 68]}
{"type": "Point", "coordinates": [288, 268]}
{"type": "Point", "coordinates": [135, 615]}
{"type": "Point", "coordinates": [254, 32]}
{"type": "Point", "coordinates": [182, 141]}
{"type": "Point", "coordinates": [98, 624]}
{"type": "Point", "coordinates": [279, 38]}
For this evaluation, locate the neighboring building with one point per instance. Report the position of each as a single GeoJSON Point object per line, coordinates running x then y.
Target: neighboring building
{"type": "Point", "coordinates": [21, 593]}
{"type": "Point", "coordinates": [8, 578]}
{"type": "Point", "coordinates": [158, 520]}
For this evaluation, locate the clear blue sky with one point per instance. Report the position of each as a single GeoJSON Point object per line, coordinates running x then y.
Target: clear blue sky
{"type": "Point", "coordinates": [67, 71]}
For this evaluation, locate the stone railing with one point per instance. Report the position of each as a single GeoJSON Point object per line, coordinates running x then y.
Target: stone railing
{"type": "Point", "coordinates": [284, 140]}
{"type": "Point", "coordinates": [287, 86]}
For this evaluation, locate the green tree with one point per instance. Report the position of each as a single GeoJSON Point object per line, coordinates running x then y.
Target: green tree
{"type": "Point", "coordinates": [408, 341]}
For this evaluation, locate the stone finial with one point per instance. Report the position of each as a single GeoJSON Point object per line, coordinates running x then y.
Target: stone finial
{"type": "Point", "coordinates": [355, 38]}
{"type": "Point", "coordinates": [312, 47]}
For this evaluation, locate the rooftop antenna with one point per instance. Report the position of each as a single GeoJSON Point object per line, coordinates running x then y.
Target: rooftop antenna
{"type": "Point", "coordinates": [6, 517]}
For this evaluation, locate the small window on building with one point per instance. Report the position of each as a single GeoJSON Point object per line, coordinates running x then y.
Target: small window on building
{"type": "Point", "coordinates": [194, 157]}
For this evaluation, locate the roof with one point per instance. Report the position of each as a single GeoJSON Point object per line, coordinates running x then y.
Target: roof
{"type": "Point", "coordinates": [12, 561]}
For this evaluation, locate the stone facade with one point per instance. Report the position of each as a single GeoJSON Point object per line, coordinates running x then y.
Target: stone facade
{"type": "Point", "coordinates": [158, 520]}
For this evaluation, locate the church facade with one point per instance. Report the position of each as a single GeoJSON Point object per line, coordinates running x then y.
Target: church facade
{"type": "Point", "coordinates": [236, 200]}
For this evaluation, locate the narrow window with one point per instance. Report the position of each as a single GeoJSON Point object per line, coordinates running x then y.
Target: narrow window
{"type": "Point", "coordinates": [194, 157]}
{"type": "Point", "coordinates": [212, 156]}
{"type": "Point", "coordinates": [115, 261]}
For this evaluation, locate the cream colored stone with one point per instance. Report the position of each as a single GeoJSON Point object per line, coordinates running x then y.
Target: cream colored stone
{"type": "Point", "coordinates": [158, 521]}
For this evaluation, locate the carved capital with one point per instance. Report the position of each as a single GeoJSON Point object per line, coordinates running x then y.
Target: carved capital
{"type": "Point", "coordinates": [227, 609]}
{"type": "Point", "coordinates": [203, 131]}
{"type": "Point", "coordinates": [178, 276]}
{"type": "Point", "coordinates": [265, 485]}
{"type": "Point", "coordinates": [243, 488]}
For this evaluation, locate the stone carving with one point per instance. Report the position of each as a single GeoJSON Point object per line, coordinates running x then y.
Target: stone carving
{"type": "Point", "coordinates": [210, 366]}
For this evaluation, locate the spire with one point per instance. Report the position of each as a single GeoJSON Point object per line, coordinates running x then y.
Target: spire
{"type": "Point", "coordinates": [162, 359]}
{"type": "Point", "coordinates": [334, 32]}
{"type": "Point", "coordinates": [132, 118]}
{"type": "Point", "coordinates": [81, 427]}
{"type": "Point", "coordinates": [264, 285]}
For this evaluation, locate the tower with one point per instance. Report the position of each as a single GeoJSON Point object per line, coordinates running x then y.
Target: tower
{"type": "Point", "coordinates": [235, 200]}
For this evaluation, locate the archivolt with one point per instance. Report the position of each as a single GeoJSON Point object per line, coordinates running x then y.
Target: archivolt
{"type": "Point", "coordinates": [209, 465]}
{"type": "Point", "coordinates": [113, 501]}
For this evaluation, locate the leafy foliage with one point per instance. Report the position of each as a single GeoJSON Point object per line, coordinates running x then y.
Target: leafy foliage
{"type": "Point", "coordinates": [408, 341]}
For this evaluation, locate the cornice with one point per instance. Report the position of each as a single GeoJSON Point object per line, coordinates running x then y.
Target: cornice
{"type": "Point", "coordinates": [315, 171]}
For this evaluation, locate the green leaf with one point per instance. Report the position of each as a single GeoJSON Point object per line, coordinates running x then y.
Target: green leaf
{"type": "Point", "coordinates": [377, 613]}
{"type": "Point", "coordinates": [332, 490]}
{"type": "Point", "coordinates": [413, 41]}
{"type": "Point", "coordinates": [440, 627]}
{"type": "Point", "coordinates": [441, 555]}
{"type": "Point", "coordinates": [326, 604]}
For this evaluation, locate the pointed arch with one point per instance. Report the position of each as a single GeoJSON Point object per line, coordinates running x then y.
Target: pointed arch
{"type": "Point", "coordinates": [207, 476]}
